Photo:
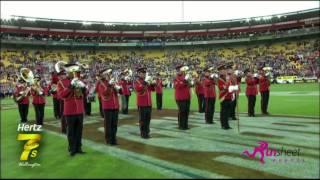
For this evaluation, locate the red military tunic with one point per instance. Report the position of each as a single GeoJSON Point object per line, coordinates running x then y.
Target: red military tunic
{"type": "Point", "coordinates": [73, 99]}
{"type": "Point", "coordinates": [182, 89]}
{"type": "Point", "coordinates": [125, 87]}
{"type": "Point", "coordinates": [143, 92]}
{"type": "Point", "coordinates": [223, 86]}
{"type": "Point", "coordinates": [251, 89]}
{"type": "Point", "coordinates": [97, 87]}
{"type": "Point", "coordinates": [209, 88]}
{"type": "Point", "coordinates": [264, 83]}
{"type": "Point", "coordinates": [19, 88]}
{"type": "Point", "coordinates": [109, 96]}
{"type": "Point", "coordinates": [159, 86]}
{"type": "Point", "coordinates": [199, 88]}
{"type": "Point", "coordinates": [38, 99]}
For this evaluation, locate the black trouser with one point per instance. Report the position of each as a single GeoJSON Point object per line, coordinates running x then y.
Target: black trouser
{"type": "Point", "coordinates": [100, 107]}
{"type": "Point", "coordinates": [56, 108]}
{"type": "Point", "coordinates": [159, 101]}
{"type": "Point", "coordinates": [63, 118]}
{"type": "Point", "coordinates": [251, 104]}
{"type": "Point", "coordinates": [210, 103]}
{"type": "Point", "coordinates": [184, 108]}
{"type": "Point", "coordinates": [39, 110]}
{"type": "Point", "coordinates": [110, 125]}
{"type": "Point", "coordinates": [233, 105]}
{"type": "Point", "coordinates": [23, 111]}
{"type": "Point", "coordinates": [201, 103]}
{"type": "Point", "coordinates": [264, 101]}
{"type": "Point", "coordinates": [224, 113]}
{"type": "Point", "coordinates": [125, 104]}
{"type": "Point", "coordinates": [86, 106]}
{"type": "Point", "coordinates": [75, 126]}
{"type": "Point", "coordinates": [144, 120]}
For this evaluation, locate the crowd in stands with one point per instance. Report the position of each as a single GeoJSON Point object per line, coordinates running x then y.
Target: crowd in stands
{"type": "Point", "coordinates": [159, 39]}
{"type": "Point", "coordinates": [300, 58]}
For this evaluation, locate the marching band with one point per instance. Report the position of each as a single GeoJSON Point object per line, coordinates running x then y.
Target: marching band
{"type": "Point", "coordinates": [73, 94]}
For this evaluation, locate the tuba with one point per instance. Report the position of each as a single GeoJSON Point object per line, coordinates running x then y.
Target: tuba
{"type": "Point", "coordinates": [84, 66]}
{"type": "Point", "coordinates": [59, 66]}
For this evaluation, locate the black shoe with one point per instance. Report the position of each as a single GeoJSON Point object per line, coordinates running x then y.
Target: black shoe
{"type": "Point", "coordinates": [234, 118]}
{"type": "Point", "coordinates": [81, 152]}
{"type": "Point", "coordinates": [229, 127]}
{"type": "Point", "coordinates": [72, 153]}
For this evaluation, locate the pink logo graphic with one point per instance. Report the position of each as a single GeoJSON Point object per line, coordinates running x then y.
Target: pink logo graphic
{"type": "Point", "coordinates": [262, 149]}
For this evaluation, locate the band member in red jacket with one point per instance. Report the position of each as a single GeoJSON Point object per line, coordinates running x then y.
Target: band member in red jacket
{"type": "Point", "coordinates": [251, 91]}
{"type": "Point", "coordinates": [55, 96]}
{"type": "Point", "coordinates": [143, 86]}
{"type": "Point", "coordinates": [225, 94]}
{"type": "Point", "coordinates": [235, 80]}
{"type": "Point", "coordinates": [108, 90]}
{"type": "Point", "coordinates": [98, 78]}
{"type": "Point", "coordinates": [71, 91]}
{"type": "Point", "coordinates": [62, 77]}
{"type": "Point", "coordinates": [182, 84]}
{"type": "Point", "coordinates": [159, 91]}
{"type": "Point", "coordinates": [209, 93]}
{"type": "Point", "coordinates": [21, 95]}
{"type": "Point", "coordinates": [200, 93]}
{"type": "Point", "coordinates": [125, 83]}
{"type": "Point", "coordinates": [38, 100]}
{"type": "Point", "coordinates": [264, 88]}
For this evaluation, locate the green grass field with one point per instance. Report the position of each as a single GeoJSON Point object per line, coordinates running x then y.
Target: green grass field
{"type": "Point", "coordinates": [297, 99]}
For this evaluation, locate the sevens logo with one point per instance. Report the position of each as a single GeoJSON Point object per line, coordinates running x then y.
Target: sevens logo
{"type": "Point", "coordinates": [31, 144]}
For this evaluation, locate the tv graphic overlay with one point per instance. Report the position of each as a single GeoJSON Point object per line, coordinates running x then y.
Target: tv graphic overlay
{"type": "Point", "coordinates": [31, 136]}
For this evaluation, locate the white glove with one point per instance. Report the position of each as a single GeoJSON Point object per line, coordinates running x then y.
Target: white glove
{"type": "Point", "coordinates": [237, 72]}
{"type": "Point", "coordinates": [268, 74]}
{"type": "Point", "coordinates": [192, 82]}
{"type": "Point", "coordinates": [214, 75]}
{"type": "Point", "coordinates": [111, 81]}
{"type": "Point", "coordinates": [40, 93]}
{"type": "Point", "coordinates": [187, 77]}
{"type": "Point", "coordinates": [80, 84]}
{"type": "Point", "coordinates": [233, 88]}
{"type": "Point", "coordinates": [117, 87]}
{"type": "Point", "coordinates": [127, 78]}
{"type": "Point", "coordinates": [147, 79]}
{"type": "Point", "coordinates": [74, 82]}
{"type": "Point", "coordinates": [255, 75]}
